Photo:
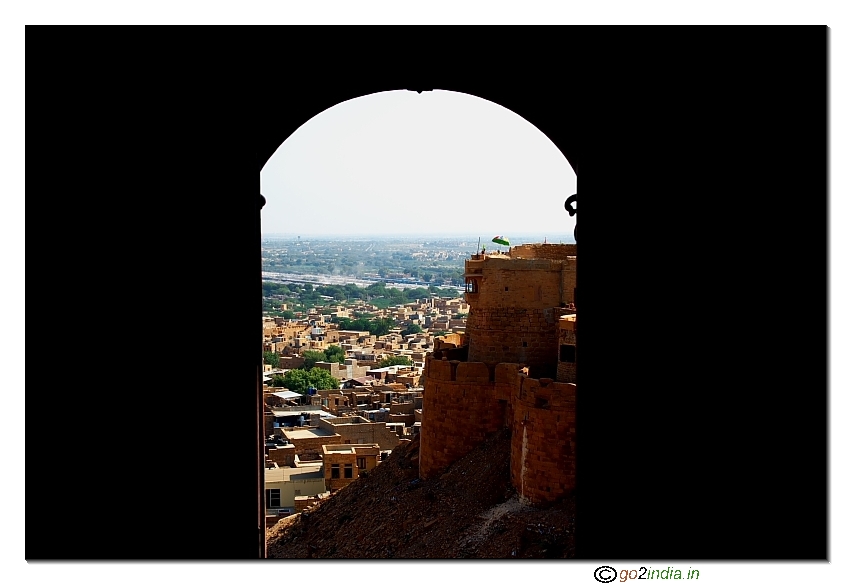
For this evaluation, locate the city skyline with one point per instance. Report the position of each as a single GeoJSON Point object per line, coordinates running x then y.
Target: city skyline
{"type": "Point", "coordinates": [405, 163]}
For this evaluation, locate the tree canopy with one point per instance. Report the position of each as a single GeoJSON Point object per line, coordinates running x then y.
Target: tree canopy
{"type": "Point", "coordinates": [311, 357]}
{"type": "Point", "coordinates": [334, 353]}
{"type": "Point", "coordinates": [299, 380]}
{"type": "Point", "coordinates": [412, 329]}
{"type": "Point", "coordinates": [394, 361]}
{"type": "Point", "coordinates": [377, 326]}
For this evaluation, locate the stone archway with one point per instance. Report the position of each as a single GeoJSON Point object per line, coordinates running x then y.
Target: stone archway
{"type": "Point", "coordinates": [549, 113]}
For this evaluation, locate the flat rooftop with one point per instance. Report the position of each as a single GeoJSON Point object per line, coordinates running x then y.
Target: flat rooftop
{"type": "Point", "coordinates": [352, 420]}
{"type": "Point", "coordinates": [351, 448]}
{"type": "Point", "coordinates": [299, 412]}
{"type": "Point", "coordinates": [296, 433]}
{"type": "Point", "coordinates": [287, 474]}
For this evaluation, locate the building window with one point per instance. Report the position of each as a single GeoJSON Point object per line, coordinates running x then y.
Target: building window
{"type": "Point", "coordinates": [349, 471]}
{"type": "Point", "coordinates": [568, 353]}
{"type": "Point", "coordinates": [334, 471]}
{"type": "Point", "coordinates": [272, 498]}
{"type": "Point", "coordinates": [361, 463]}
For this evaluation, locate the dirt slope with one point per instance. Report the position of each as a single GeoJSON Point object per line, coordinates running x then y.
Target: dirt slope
{"type": "Point", "coordinates": [471, 511]}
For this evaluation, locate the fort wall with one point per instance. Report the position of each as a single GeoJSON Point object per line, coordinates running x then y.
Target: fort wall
{"type": "Point", "coordinates": [514, 309]}
{"type": "Point", "coordinates": [543, 440]}
{"type": "Point", "coordinates": [463, 403]}
{"type": "Point", "coordinates": [544, 251]}
{"type": "Point", "coordinates": [475, 387]}
{"type": "Point", "coordinates": [467, 401]}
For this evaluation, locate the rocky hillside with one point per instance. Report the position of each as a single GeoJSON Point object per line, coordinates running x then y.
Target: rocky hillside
{"type": "Point", "coordinates": [471, 511]}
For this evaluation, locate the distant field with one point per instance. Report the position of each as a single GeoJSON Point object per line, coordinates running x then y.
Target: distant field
{"type": "Point", "coordinates": [384, 303]}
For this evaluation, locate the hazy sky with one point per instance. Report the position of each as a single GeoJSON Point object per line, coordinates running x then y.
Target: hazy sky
{"type": "Point", "coordinates": [401, 162]}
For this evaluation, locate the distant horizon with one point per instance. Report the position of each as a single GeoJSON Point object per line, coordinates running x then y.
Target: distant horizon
{"type": "Point", "coordinates": [550, 238]}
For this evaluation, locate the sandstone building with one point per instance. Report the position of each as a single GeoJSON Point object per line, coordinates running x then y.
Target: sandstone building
{"type": "Point", "coordinates": [514, 367]}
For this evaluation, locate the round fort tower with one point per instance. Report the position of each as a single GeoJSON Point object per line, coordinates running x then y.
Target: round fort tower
{"type": "Point", "coordinates": [514, 304]}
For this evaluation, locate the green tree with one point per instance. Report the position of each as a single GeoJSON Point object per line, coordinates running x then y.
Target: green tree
{"type": "Point", "coordinates": [334, 353]}
{"type": "Point", "coordinates": [413, 329]}
{"type": "Point", "coordinates": [380, 326]}
{"type": "Point", "coordinates": [322, 379]}
{"type": "Point", "coordinates": [295, 380]}
{"type": "Point", "coordinates": [300, 380]}
{"type": "Point", "coordinates": [277, 380]}
{"type": "Point", "coordinates": [271, 358]}
{"type": "Point", "coordinates": [288, 314]}
{"type": "Point", "coordinates": [311, 357]}
{"type": "Point", "coordinates": [395, 360]}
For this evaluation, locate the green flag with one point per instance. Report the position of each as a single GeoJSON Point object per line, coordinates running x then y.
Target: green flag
{"type": "Point", "coordinates": [501, 241]}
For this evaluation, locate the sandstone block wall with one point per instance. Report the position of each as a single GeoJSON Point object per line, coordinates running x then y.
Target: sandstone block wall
{"type": "Point", "coordinates": [568, 282]}
{"type": "Point", "coordinates": [309, 444]}
{"type": "Point", "coordinates": [459, 411]}
{"type": "Point", "coordinates": [452, 340]}
{"type": "Point", "coordinates": [284, 455]}
{"type": "Point", "coordinates": [544, 251]}
{"type": "Point", "coordinates": [402, 408]}
{"type": "Point", "coordinates": [268, 423]}
{"type": "Point", "coordinates": [408, 419]}
{"type": "Point", "coordinates": [514, 335]}
{"type": "Point", "coordinates": [543, 440]}
{"type": "Point", "coordinates": [464, 402]}
{"type": "Point", "coordinates": [530, 283]}
{"type": "Point", "coordinates": [340, 459]}
{"type": "Point", "coordinates": [290, 362]}
{"type": "Point", "coordinates": [514, 315]}
{"type": "Point", "coordinates": [566, 370]}
{"type": "Point", "coordinates": [364, 432]}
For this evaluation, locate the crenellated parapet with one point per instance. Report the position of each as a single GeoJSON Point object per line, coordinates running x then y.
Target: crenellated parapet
{"type": "Point", "coordinates": [521, 311]}
{"type": "Point", "coordinates": [462, 404]}
{"type": "Point", "coordinates": [560, 251]}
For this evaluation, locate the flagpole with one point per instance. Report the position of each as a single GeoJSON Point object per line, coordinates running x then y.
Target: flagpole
{"type": "Point", "coordinates": [479, 246]}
